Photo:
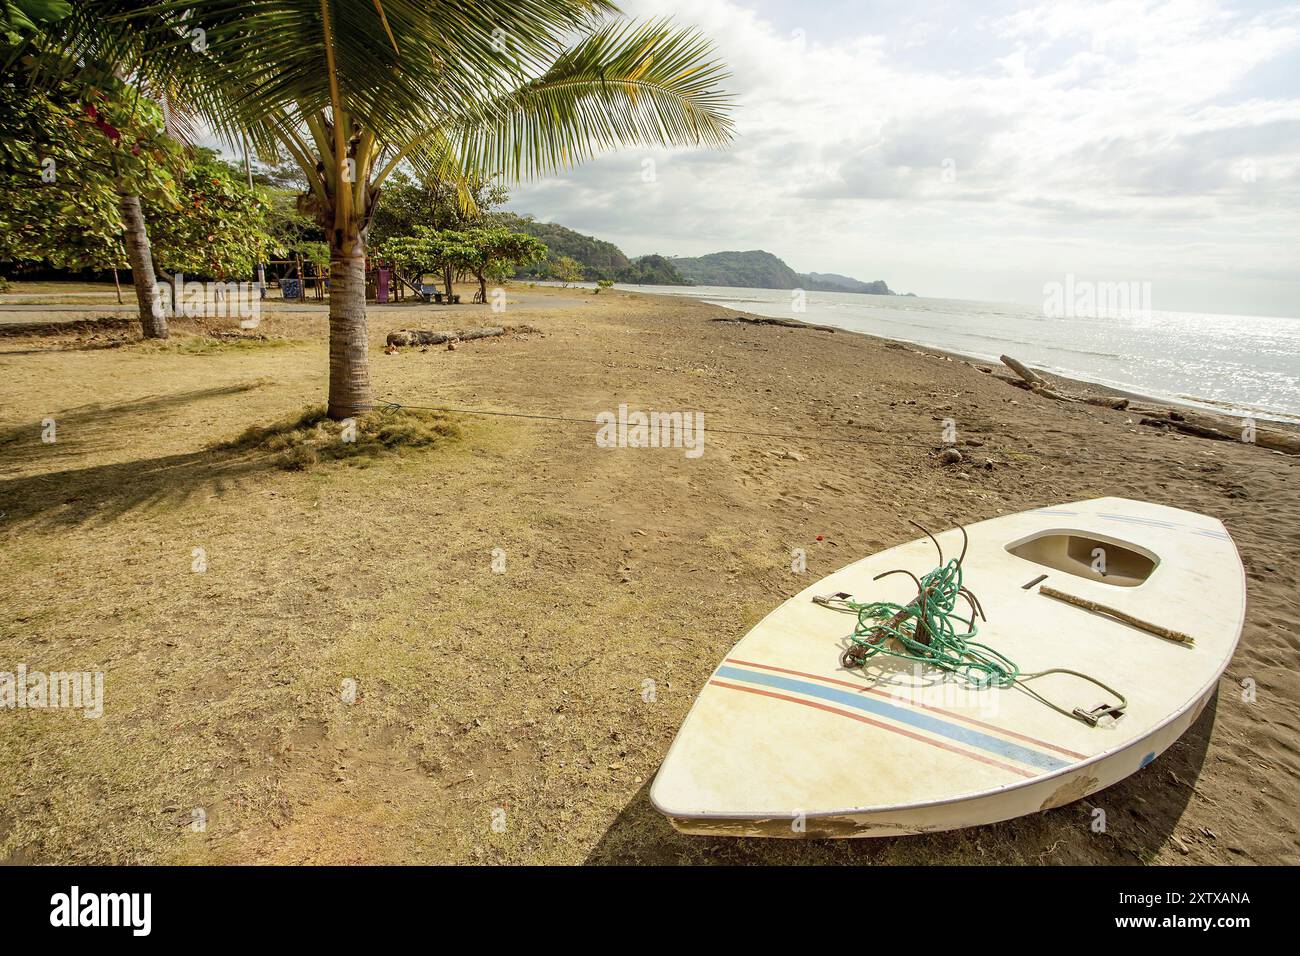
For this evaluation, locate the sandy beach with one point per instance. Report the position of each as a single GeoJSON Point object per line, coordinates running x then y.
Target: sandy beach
{"type": "Point", "coordinates": [519, 695]}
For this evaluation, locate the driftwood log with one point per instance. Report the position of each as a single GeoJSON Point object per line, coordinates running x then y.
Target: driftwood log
{"type": "Point", "coordinates": [1221, 429]}
{"type": "Point", "coordinates": [1031, 377]}
{"type": "Point", "coordinates": [783, 323]}
{"type": "Point", "coordinates": [424, 337]}
{"type": "Point", "coordinates": [1188, 421]}
{"type": "Point", "coordinates": [1039, 386]}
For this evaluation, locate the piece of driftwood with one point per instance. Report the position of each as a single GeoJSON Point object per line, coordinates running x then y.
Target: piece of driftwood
{"type": "Point", "coordinates": [1030, 377]}
{"type": "Point", "coordinates": [1088, 605]}
{"type": "Point", "coordinates": [1187, 421]}
{"type": "Point", "coordinates": [1031, 380]}
{"type": "Point", "coordinates": [1200, 431]}
{"type": "Point", "coordinates": [783, 323]}
{"type": "Point", "coordinates": [1107, 401]}
{"type": "Point", "coordinates": [1222, 428]}
{"type": "Point", "coordinates": [1048, 392]}
{"type": "Point", "coordinates": [425, 337]}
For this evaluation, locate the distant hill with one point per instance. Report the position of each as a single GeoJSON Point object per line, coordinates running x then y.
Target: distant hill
{"type": "Point", "coordinates": [600, 259]}
{"type": "Point", "coordinates": [754, 270]}
{"type": "Point", "coordinates": [832, 282]}
{"type": "Point", "coordinates": [652, 270]}
{"type": "Point", "coordinates": [757, 269]}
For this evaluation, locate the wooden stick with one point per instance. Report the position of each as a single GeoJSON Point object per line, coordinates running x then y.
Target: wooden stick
{"type": "Point", "coordinates": [1035, 383]}
{"type": "Point", "coordinates": [1157, 629]}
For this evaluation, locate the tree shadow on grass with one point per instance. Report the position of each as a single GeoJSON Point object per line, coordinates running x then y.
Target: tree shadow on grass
{"type": "Point", "coordinates": [1141, 813]}
{"type": "Point", "coordinates": [102, 493]}
{"type": "Point", "coordinates": [97, 427]}
{"type": "Point", "coordinates": [70, 496]}
{"type": "Point", "coordinates": [107, 323]}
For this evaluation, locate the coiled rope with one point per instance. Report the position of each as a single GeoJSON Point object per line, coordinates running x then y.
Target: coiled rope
{"type": "Point", "coordinates": [929, 631]}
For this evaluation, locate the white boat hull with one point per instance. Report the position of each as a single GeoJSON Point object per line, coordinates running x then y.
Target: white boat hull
{"type": "Point", "coordinates": [783, 741]}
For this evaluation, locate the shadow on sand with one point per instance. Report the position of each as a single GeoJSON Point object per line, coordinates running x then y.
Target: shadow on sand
{"type": "Point", "coordinates": [1141, 813]}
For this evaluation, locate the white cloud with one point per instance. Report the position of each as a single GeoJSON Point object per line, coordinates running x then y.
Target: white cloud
{"type": "Point", "coordinates": [1124, 139]}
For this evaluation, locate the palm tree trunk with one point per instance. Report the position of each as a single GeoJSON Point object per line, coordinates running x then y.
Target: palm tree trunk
{"type": "Point", "coordinates": [350, 393]}
{"type": "Point", "coordinates": [136, 238]}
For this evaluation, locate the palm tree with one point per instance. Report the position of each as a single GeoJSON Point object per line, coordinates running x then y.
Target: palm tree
{"type": "Point", "coordinates": [352, 89]}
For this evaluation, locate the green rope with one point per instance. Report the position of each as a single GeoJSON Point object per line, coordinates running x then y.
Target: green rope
{"type": "Point", "coordinates": [949, 647]}
{"type": "Point", "coordinates": [934, 613]}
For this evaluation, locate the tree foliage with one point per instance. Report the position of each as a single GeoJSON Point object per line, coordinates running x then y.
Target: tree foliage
{"type": "Point", "coordinates": [22, 19]}
{"type": "Point", "coordinates": [565, 269]}
{"type": "Point", "coordinates": [478, 251]}
{"type": "Point", "coordinates": [73, 138]}
{"type": "Point", "coordinates": [67, 149]}
{"type": "Point", "coordinates": [221, 227]}
{"type": "Point", "coordinates": [408, 202]}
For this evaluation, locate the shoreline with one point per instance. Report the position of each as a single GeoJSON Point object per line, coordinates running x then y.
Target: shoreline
{"type": "Point", "coordinates": [1282, 419]}
{"type": "Point", "coordinates": [1274, 418]}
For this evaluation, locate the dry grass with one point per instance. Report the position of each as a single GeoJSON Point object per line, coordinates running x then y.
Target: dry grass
{"type": "Point", "coordinates": [209, 343]}
{"type": "Point", "coordinates": [301, 441]}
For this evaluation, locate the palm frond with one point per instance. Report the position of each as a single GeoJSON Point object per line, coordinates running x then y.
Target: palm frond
{"type": "Point", "coordinates": [272, 57]}
{"type": "Point", "coordinates": [648, 84]}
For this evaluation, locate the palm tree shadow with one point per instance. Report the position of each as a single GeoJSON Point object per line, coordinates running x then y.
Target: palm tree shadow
{"type": "Point", "coordinates": [102, 493]}
{"type": "Point", "coordinates": [1140, 814]}
{"type": "Point", "coordinates": [71, 496]}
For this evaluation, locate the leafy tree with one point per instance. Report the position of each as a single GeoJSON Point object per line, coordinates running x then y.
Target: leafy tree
{"type": "Point", "coordinates": [288, 227]}
{"type": "Point", "coordinates": [566, 270]}
{"type": "Point", "coordinates": [424, 251]}
{"type": "Point", "coordinates": [481, 252]}
{"type": "Point", "coordinates": [499, 252]}
{"type": "Point", "coordinates": [461, 91]}
{"type": "Point", "coordinates": [222, 228]}
{"type": "Point", "coordinates": [30, 35]}
{"type": "Point", "coordinates": [79, 148]}
{"type": "Point", "coordinates": [409, 202]}
{"type": "Point", "coordinates": [68, 151]}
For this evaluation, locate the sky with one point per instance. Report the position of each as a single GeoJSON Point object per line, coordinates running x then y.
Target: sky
{"type": "Point", "coordinates": [983, 150]}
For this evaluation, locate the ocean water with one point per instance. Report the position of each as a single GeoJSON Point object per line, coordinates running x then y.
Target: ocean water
{"type": "Point", "coordinates": [1242, 364]}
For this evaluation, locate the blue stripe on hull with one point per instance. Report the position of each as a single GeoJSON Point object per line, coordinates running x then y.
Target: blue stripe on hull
{"type": "Point", "coordinates": [903, 715]}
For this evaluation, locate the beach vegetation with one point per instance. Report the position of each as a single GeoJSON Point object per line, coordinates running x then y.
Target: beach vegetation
{"type": "Point", "coordinates": [565, 270]}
